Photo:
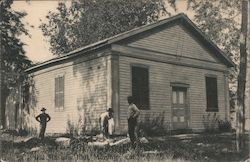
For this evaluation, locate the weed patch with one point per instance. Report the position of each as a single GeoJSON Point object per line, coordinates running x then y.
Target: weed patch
{"type": "Point", "coordinates": [199, 147]}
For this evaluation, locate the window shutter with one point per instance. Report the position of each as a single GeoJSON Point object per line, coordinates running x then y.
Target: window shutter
{"type": "Point", "coordinates": [59, 92]}
{"type": "Point", "coordinates": [212, 94]}
{"type": "Point", "coordinates": [62, 92]}
{"type": "Point", "coordinates": [140, 87]}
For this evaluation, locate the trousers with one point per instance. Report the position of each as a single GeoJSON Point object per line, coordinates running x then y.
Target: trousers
{"type": "Point", "coordinates": [42, 131]}
{"type": "Point", "coordinates": [132, 123]}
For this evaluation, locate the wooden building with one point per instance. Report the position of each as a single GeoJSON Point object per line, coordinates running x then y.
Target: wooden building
{"type": "Point", "coordinates": [170, 67]}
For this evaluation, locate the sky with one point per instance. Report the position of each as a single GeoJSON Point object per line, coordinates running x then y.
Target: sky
{"type": "Point", "coordinates": [37, 48]}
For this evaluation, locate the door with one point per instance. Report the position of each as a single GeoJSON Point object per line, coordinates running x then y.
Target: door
{"type": "Point", "coordinates": [179, 108]}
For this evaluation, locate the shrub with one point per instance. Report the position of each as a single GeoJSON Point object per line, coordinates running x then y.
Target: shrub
{"type": "Point", "coordinates": [152, 125]}
{"type": "Point", "coordinates": [23, 132]}
{"type": "Point", "coordinates": [224, 126]}
{"type": "Point", "coordinates": [72, 130]}
{"type": "Point", "coordinates": [210, 122]}
{"type": "Point", "coordinates": [75, 129]}
{"type": "Point", "coordinates": [11, 132]}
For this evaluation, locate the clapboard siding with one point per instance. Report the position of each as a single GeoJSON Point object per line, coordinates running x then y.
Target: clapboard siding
{"type": "Point", "coordinates": [175, 40]}
{"type": "Point", "coordinates": [85, 93]}
{"type": "Point", "coordinates": [99, 76]}
{"type": "Point", "coordinates": [160, 77]}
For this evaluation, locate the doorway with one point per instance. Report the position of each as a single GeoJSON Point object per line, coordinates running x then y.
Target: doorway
{"type": "Point", "coordinates": [180, 111]}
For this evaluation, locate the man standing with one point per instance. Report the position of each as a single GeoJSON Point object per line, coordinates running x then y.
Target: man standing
{"type": "Point", "coordinates": [104, 121]}
{"type": "Point", "coordinates": [42, 118]}
{"type": "Point", "coordinates": [133, 114]}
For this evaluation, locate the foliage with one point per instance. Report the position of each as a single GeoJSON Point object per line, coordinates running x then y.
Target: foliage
{"type": "Point", "coordinates": [14, 60]}
{"type": "Point", "coordinates": [215, 147]}
{"type": "Point", "coordinates": [210, 122]}
{"type": "Point", "coordinates": [219, 20]}
{"type": "Point", "coordinates": [84, 126]}
{"type": "Point", "coordinates": [241, 87]}
{"type": "Point", "coordinates": [72, 130]}
{"type": "Point", "coordinates": [88, 21]}
{"type": "Point", "coordinates": [11, 46]}
{"type": "Point", "coordinates": [224, 126]}
{"type": "Point", "coordinates": [152, 125]}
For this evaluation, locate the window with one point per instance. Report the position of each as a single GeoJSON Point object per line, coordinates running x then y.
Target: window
{"type": "Point", "coordinates": [140, 87]}
{"type": "Point", "coordinates": [59, 92]}
{"type": "Point", "coordinates": [179, 95]}
{"type": "Point", "coordinates": [212, 96]}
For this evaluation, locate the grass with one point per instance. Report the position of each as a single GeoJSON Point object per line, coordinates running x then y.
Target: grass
{"type": "Point", "coordinates": [202, 147]}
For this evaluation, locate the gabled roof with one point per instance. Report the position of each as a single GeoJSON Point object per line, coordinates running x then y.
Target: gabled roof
{"type": "Point", "coordinates": [180, 17]}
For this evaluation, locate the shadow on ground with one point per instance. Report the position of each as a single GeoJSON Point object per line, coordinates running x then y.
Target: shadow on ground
{"type": "Point", "coordinates": [187, 147]}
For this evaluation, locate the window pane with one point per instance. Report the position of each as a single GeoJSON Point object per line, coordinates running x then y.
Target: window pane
{"type": "Point", "coordinates": [181, 97]}
{"type": "Point", "coordinates": [174, 97]}
{"type": "Point", "coordinates": [182, 119]}
{"type": "Point", "coordinates": [175, 119]}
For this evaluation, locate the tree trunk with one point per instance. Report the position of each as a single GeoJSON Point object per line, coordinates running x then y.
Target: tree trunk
{"type": "Point", "coordinates": [247, 92]}
{"type": "Point", "coordinates": [1, 79]}
{"type": "Point", "coordinates": [240, 125]}
{"type": "Point", "coordinates": [4, 94]}
{"type": "Point", "coordinates": [1, 126]}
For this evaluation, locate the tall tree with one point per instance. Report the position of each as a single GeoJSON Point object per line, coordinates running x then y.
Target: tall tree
{"type": "Point", "coordinates": [88, 21]}
{"type": "Point", "coordinates": [13, 59]}
{"type": "Point", "coordinates": [242, 78]}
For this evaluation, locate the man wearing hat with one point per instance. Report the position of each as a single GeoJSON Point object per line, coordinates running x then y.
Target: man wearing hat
{"type": "Point", "coordinates": [104, 121]}
{"type": "Point", "coordinates": [42, 118]}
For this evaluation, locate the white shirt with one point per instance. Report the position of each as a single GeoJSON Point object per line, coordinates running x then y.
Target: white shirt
{"type": "Point", "coordinates": [133, 111]}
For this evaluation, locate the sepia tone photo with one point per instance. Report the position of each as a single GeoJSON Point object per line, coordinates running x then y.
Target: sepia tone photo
{"type": "Point", "coordinates": [125, 80]}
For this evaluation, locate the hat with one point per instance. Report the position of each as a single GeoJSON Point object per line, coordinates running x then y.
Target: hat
{"type": "Point", "coordinates": [43, 109]}
{"type": "Point", "coordinates": [110, 110]}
